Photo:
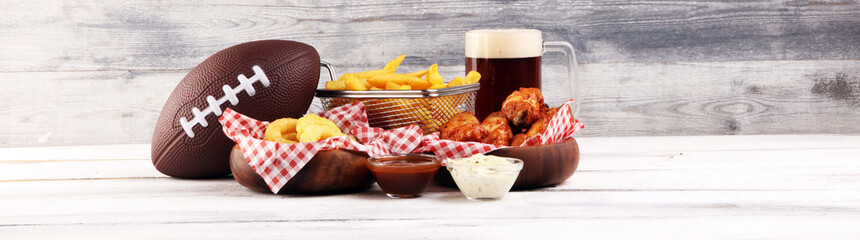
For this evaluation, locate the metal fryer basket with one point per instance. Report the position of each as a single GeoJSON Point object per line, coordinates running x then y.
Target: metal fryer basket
{"type": "Point", "coordinates": [389, 109]}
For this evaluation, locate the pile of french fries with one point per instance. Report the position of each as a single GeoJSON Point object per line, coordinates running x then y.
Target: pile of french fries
{"type": "Point", "coordinates": [387, 79]}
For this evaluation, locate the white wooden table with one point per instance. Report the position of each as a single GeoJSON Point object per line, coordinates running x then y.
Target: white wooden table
{"type": "Point", "coordinates": [753, 187]}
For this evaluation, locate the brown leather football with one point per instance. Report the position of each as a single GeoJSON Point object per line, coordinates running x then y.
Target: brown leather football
{"type": "Point", "coordinates": [265, 80]}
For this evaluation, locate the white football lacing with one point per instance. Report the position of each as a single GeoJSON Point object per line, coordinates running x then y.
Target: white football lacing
{"type": "Point", "coordinates": [245, 84]}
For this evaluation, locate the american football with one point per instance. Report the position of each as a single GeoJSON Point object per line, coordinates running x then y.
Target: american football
{"type": "Point", "coordinates": [264, 80]}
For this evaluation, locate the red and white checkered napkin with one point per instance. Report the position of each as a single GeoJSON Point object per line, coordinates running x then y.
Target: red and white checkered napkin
{"type": "Point", "coordinates": [396, 141]}
{"type": "Point", "coordinates": [561, 127]}
{"type": "Point", "coordinates": [277, 162]}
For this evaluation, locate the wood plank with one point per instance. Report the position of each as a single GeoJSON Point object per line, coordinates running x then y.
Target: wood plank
{"type": "Point", "coordinates": [75, 153]}
{"type": "Point", "coordinates": [189, 200]}
{"type": "Point", "coordinates": [121, 107]}
{"type": "Point", "coordinates": [82, 108]}
{"type": "Point", "coordinates": [77, 170]}
{"type": "Point", "coordinates": [83, 35]}
{"type": "Point", "coordinates": [723, 227]}
{"type": "Point", "coordinates": [720, 171]}
{"type": "Point", "coordinates": [807, 163]}
{"type": "Point", "coordinates": [217, 206]}
{"type": "Point", "coordinates": [789, 170]}
{"type": "Point", "coordinates": [721, 98]}
{"type": "Point", "coordinates": [668, 187]}
{"type": "Point", "coordinates": [721, 143]}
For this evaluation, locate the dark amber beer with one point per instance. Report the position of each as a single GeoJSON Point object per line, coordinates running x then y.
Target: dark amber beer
{"type": "Point", "coordinates": [507, 60]}
{"type": "Point", "coordinates": [500, 77]}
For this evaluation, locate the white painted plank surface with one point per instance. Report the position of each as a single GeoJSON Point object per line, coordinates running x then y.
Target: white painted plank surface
{"type": "Point", "coordinates": [74, 153]}
{"type": "Point", "coordinates": [696, 227]}
{"type": "Point", "coordinates": [657, 170]}
{"type": "Point", "coordinates": [708, 227]}
{"type": "Point", "coordinates": [825, 212]}
{"type": "Point", "coordinates": [727, 187]}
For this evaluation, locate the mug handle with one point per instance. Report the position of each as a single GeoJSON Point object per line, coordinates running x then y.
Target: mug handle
{"type": "Point", "coordinates": [573, 75]}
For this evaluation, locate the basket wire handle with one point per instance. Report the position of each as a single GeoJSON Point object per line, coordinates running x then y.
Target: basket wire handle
{"type": "Point", "coordinates": [330, 69]}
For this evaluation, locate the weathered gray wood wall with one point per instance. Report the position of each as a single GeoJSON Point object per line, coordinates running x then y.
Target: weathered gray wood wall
{"type": "Point", "coordinates": [85, 72]}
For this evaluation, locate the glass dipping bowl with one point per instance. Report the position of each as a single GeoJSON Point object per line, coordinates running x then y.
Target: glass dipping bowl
{"type": "Point", "coordinates": [485, 182]}
{"type": "Point", "coordinates": [404, 175]}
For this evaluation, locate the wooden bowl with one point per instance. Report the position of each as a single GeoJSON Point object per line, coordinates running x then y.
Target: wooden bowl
{"type": "Point", "coordinates": [543, 165]}
{"type": "Point", "coordinates": [330, 171]}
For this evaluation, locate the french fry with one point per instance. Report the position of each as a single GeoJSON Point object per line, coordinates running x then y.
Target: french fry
{"type": "Point", "coordinates": [363, 75]}
{"type": "Point", "coordinates": [335, 85]}
{"type": "Point", "coordinates": [379, 79]}
{"type": "Point", "coordinates": [472, 77]}
{"type": "Point", "coordinates": [390, 67]}
{"type": "Point", "coordinates": [355, 85]}
{"type": "Point", "coordinates": [433, 75]}
{"type": "Point", "coordinates": [346, 76]}
{"type": "Point", "coordinates": [396, 78]}
{"type": "Point", "coordinates": [418, 73]}
{"type": "Point", "coordinates": [391, 86]}
{"type": "Point", "coordinates": [419, 84]}
{"type": "Point", "coordinates": [395, 86]}
{"type": "Point", "coordinates": [352, 83]}
{"type": "Point", "coordinates": [457, 81]}
{"type": "Point", "coordinates": [438, 86]}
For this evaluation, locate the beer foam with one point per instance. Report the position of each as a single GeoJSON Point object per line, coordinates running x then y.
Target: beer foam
{"type": "Point", "coordinates": [504, 43]}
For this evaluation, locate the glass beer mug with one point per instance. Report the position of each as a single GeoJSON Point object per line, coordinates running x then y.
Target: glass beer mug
{"type": "Point", "coordinates": [508, 59]}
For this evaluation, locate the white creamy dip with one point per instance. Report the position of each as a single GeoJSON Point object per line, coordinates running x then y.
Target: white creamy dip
{"type": "Point", "coordinates": [483, 177]}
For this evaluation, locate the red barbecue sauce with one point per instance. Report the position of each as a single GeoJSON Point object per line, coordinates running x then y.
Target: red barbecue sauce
{"type": "Point", "coordinates": [404, 176]}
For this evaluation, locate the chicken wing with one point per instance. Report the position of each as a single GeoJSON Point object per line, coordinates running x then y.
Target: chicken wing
{"type": "Point", "coordinates": [499, 133]}
{"type": "Point", "coordinates": [551, 112]}
{"type": "Point", "coordinates": [463, 127]}
{"type": "Point", "coordinates": [538, 127]}
{"type": "Point", "coordinates": [519, 139]}
{"type": "Point", "coordinates": [523, 107]}
{"type": "Point", "coordinates": [544, 109]}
